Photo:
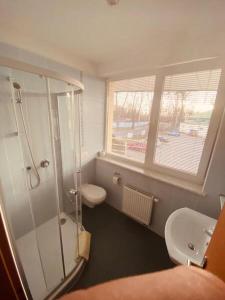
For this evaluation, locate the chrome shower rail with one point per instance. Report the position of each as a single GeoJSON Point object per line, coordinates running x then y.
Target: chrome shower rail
{"type": "Point", "coordinates": [15, 64]}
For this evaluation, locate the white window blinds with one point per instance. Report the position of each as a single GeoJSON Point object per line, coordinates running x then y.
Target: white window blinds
{"type": "Point", "coordinates": [187, 103]}
{"type": "Point", "coordinates": [132, 102]}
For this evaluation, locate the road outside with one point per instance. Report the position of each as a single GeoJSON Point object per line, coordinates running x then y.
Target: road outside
{"type": "Point", "coordinates": [181, 152]}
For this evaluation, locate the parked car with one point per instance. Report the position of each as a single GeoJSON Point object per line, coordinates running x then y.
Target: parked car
{"type": "Point", "coordinates": [193, 132]}
{"type": "Point", "coordinates": [174, 133]}
{"type": "Point", "coordinates": [163, 139]}
{"type": "Point", "coordinates": [136, 146]}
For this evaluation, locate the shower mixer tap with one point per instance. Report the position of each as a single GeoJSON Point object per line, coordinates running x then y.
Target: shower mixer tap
{"type": "Point", "coordinates": [44, 163]}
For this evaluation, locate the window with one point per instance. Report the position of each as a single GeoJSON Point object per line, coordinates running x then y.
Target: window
{"type": "Point", "coordinates": [132, 102]}
{"type": "Point", "coordinates": [186, 108]}
{"type": "Point", "coordinates": [171, 129]}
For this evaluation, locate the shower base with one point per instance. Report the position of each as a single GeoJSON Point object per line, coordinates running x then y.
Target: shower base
{"type": "Point", "coordinates": [49, 250]}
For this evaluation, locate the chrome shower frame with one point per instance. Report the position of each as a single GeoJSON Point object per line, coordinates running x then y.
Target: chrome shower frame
{"type": "Point", "coordinates": [48, 74]}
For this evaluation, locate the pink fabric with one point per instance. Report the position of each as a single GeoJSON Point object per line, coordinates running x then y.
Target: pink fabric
{"type": "Point", "coordinates": [181, 283]}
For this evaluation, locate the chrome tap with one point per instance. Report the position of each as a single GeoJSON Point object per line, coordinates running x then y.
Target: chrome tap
{"type": "Point", "coordinates": [209, 232]}
{"type": "Point", "coordinates": [44, 163]}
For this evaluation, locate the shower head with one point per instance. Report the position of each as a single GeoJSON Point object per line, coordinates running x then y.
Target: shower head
{"type": "Point", "coordinates": [16, 86]}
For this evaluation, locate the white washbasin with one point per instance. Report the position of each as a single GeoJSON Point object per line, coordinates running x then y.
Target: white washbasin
{"type": "Point", "coordinates": [187, 235]}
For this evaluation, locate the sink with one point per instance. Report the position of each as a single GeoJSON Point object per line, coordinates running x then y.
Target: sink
{"type": "Point", "coordinates": [187, 235]}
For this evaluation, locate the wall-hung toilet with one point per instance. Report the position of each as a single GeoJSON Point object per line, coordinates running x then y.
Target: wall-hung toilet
{"type": "Point", "coordinates": [92, 195]}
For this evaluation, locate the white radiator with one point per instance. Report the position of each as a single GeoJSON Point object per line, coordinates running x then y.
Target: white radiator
{"type": "Point", "coordinates": [137, 205]}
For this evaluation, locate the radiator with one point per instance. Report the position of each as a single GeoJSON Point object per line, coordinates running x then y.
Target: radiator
{"type": "Point", "coordinates": [137, 205]}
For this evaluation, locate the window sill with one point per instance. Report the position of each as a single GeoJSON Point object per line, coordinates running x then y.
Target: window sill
{"type": "Point", "coordinates": [185, 185]}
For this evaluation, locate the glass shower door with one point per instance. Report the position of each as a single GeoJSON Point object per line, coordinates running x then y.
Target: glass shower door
{"type": "Point", "coordinates": [15, 198]}
{"type": "Point", "coordinates": [66, 136]}
{"type": "Point", "coordinates": [30, 201]}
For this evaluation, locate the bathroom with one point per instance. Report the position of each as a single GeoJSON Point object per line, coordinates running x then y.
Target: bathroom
{"type": "Point", "coordinates": [92, 165]}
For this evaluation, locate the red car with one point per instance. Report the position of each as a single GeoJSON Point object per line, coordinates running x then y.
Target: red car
{"type": "Point", "coordinates": [137, 146]}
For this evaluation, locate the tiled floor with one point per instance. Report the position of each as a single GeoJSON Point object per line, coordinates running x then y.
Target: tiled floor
{"type": "Point", "coordinates": [120, 247]}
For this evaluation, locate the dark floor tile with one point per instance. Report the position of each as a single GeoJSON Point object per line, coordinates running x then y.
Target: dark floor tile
{"type": "Point", "coordinates": [120, 247]}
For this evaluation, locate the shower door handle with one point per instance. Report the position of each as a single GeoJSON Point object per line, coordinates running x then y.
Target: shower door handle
{"type": "Point", "coordinates": [74, 200]}
{"type": "Point", "coordinates": [73, 193]}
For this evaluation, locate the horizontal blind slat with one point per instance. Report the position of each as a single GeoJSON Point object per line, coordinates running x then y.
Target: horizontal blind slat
{"type": "Point", "coordinates": [187, 104]}
{"type": "Point", "coordinates": [136, 84]}
{"type": "Point", "coordinates": [132, 102]}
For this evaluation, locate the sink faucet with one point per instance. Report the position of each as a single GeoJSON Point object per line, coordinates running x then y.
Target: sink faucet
{"type": "Point", "coordinates": [209, 232]}
{"type": "Point", "coordinates": [222, 201]}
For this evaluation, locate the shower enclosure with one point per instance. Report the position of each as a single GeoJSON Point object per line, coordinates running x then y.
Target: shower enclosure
{"type": "Point", "coordinates": [40, 174]}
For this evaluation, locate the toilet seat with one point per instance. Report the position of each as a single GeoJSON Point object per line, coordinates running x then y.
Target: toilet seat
{"type": "Point", "coordinates": [93, 194]}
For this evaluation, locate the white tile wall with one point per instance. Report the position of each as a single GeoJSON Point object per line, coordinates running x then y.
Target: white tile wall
{"type": "Point", "coordinates": [93, 114]}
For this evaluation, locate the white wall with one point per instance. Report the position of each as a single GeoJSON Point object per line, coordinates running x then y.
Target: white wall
{"type": "Point", "coordinates": [37, 60]}
{"type": "Point", "coordinates": [93, 113]}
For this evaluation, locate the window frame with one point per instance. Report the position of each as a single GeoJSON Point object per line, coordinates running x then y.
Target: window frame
{"type": "Point", "coordinates": [160, 75]}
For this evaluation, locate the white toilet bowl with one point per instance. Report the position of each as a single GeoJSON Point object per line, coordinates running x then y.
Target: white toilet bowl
{"type": "Point", "coordinates": [92, 195]}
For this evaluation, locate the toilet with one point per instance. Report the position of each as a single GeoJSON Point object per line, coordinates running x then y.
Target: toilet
{"type": "Point", "coordinates": [92, 195]}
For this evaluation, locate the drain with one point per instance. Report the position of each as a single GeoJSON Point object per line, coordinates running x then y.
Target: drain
{"type": "Point", "coordinates": [191, 246]}
{"type": "Point", "coordinates": [62, 221]}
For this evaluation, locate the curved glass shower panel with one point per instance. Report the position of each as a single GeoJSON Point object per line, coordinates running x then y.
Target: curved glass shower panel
{"type": "Point", "coordinates": [40, 172]}
{"type": "Point", "coordinates": [15, 191]}
{"type": "Point", "coordinates": [12, 169]}
{"type": "Point", "coordinates": [40, 176]}
{"type": "Point", "coordinates": [64, 112]}
{"type": "Point", "coordinates": [38, 244]}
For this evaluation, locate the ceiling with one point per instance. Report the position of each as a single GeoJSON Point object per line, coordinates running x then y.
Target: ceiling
{"type": "Point", "coordinates": [109, 40]}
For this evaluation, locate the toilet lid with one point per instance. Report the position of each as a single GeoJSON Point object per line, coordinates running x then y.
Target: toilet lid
{"type": "Point", "coordinates": [93, 193]}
